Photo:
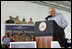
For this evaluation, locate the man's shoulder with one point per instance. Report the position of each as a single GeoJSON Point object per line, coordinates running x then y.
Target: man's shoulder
{"type": "Point", "coordinates": [58, 13]}
{"type": "Point", "coordinates": [7, 20]}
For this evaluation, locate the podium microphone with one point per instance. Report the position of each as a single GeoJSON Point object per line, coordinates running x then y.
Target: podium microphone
{"type": "Point", "coordinates": [48, 17]}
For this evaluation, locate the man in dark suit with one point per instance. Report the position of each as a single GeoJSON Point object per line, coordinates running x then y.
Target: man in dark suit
{"type": "Point", "coordinates": [10, 21]}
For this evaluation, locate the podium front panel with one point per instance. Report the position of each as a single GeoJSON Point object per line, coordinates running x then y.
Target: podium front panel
{"type": "Point", "coordinates": [47, 32]}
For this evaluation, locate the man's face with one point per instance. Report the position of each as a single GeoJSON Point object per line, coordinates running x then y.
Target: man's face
{"type": "Point", "coordinates": [17, 17]}
{"type": "Point", "coordinates": [52, 11]}
{"type": "Point", "coordinates": [23, 19]}
{"type": "Point", "coordinates": [30, 19]}
{"type": "Point", "coordinates": [10, 17]}
{"type": "Point", "coordinates": [32, 36]}
{"type": "Point", "coordinates": [10, 33]}
{"type": "Point", "coordinates": [24, 34]}
{"type": "Point", "coordinates": [6, 34]}
{"type": "Point", "coordinates": [19, 33]}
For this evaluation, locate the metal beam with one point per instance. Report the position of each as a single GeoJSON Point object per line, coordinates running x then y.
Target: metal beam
{"type": "Point", "coordinates": [58, 6]}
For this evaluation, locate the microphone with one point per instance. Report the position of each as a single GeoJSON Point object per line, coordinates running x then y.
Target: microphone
{"type": "Point", "coordinates": [48, 17]}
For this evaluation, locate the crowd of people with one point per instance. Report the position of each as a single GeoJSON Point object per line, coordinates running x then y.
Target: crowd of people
{"type": "Point", "coordinates": [17, 21]}
{"type": "Point", "coordinates": [9, 37]}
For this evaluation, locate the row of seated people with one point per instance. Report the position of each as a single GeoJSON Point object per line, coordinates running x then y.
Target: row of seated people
{"type": "Point", "coordinates": [17, 21]}
{"type": "Point", "coordinates": [18, 38]}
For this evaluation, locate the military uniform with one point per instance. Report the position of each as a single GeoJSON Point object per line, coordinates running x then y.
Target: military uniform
{"type": "Point", "coordinates": [30, 22]}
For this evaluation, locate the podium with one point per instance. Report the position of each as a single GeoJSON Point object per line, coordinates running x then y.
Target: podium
{"type": "Point", "coordinates": [47, 31]}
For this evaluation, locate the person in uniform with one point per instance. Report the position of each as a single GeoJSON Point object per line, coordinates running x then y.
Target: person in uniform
{"type": "Point", "coordinates": [23, 22]}
{"type": "Point", "coordinates": [17, 21]}
{"type": "Point", "coordinates": [30, 22]}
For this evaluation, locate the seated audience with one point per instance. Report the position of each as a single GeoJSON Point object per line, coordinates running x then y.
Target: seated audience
{"type": "Point", "coordinates": [10, 34]}
{"type": "Point", "coordinates": [10, 21]}
{"type": "Point", "coordinates": [24, 22]}
{"type": "Point", "coordinates": [17, 21]}
{"type": "Point", "coordinates": [30, 22]}
{"type": "Point", "coordinates": [4, 37]}
{"type": "Point", "coordinates": [6, 41]}
{"type": "Point", "coordinates": [14, 37]}
{"type": "Point", "coordinates": [11, 37]}
{"type": "Point", "coordinates": [24, 37]}
{"type": "Point", "coordinates": [12, 40]}
{"type": "Point", "coordinates": [32, 38]}
{"type": "Point", "coordinates": [18, 37]}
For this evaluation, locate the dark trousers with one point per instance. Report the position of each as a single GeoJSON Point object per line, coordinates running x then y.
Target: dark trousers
{"type": "Point", "coordinates": [61, 39]}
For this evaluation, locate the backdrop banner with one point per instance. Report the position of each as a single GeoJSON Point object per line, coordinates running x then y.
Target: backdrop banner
{"type": "Point", "coordinates": [15, 28]}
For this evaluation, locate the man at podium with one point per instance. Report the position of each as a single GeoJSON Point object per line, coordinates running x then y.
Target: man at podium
{"type": "Point", "coordinates": [59, 19]}
{"type": "Point", "coordinates": [44, 37]}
